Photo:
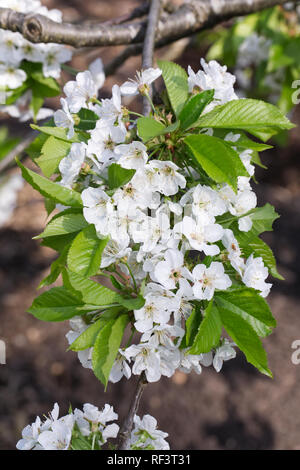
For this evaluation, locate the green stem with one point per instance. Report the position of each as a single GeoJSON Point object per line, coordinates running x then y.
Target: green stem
{"type": "Point", "coordinates": [136, 114]}
{"type": "Point", "coordinates": [147, 96]}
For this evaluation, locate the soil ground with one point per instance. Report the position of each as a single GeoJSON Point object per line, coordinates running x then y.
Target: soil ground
{"type": "Point", "coordinates": [235, 409]}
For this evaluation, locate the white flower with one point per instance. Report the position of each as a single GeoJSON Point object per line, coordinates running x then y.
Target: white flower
{"type": "Point", "coordinates": [104, 140]}
{"type": "Point", "coordinates": [206, 280]}
{"type": "Point", "coordinates": [10, 77]}
{"type": "Point", "coordinates": [114, 251]}
{"type": "Point", "coordinates": [64, 119]}
{"type": "Point", "coordinates": [135, 194]}
{"type": "Point", "coordinates": [97, 70]}
{"type": "Point", "coordinates": [142, 82]}
{"type": "Point", "coordinates": [54, 55]}
{"type": "Point", "coordinates": [155, 310]}
{"type": "Point", "coordinates": [234, 252]}
{"type": "Point", "coordinates": [167, 177]}
{"type": "Point", "coordinates": [120, 368]}
{"type": "Point", "coordinates": [213, 77]}
{"type": "Point", "coordinates": [78, 326]}
{"type": "Point", "coordinates": [80, 92]}
{"type": "Point", "coordinates": [59, 437]}
{"type": "Point", "coordinates": [11, 48]}
{"type": "Point", "coordinates": [152, 230]}
{"type": "Point", "coordinates": [255, 275]}
{"type": "Point", "coordinates": [145, 359]}
{"type": "Point", "coordinates": [169, 360]}
{"type": "Point", "coordinates": [133, 155]}
{"type": "Point", "coordinates": [253, 50]}
{"type": "Point", "coordinates": [199, 235]}
{"type": "Point", "coordinates": [91, 419]}
{"type": "Point", "coordinates": [191, 362]}
{"type": "Point", "coordinates": [170, 272]}
{"type": "Point", "coordinates": [32, 52]}
{"type": "Point", "coordinates": [111, 110]}
{"type": "Point", "coordinates": [97, 208]}
{"type": "Point", "coordinates": [163, 335]}
{"type": "Point", "coordinates": [154, 438]}
{"type": "Point", "coordinates": [30, 436]}
{"type": "Point", "coordinates": [207, 202]}
{"type": "Point", "coordinates": [223, 353]}
{"type": "Point", "coordinates": [244, 202]}
{"type": "Point", "coordinates": [70, 165]}
{"type": "Point", "coordinates": [246, 157]}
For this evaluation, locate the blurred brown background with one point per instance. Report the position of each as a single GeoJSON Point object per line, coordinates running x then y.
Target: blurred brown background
{"type": "Point", "coordinates": [235, 409]}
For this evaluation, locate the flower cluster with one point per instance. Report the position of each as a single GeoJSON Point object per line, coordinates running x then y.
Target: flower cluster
{"type": "Point", "coordinates": [253, 52]}
{"type": "Point", "coordinates": [90, 429]}
{"type": "Point", "coordinates": [16, 55]}
{"type": "Point", "coordinates": [164, 227]}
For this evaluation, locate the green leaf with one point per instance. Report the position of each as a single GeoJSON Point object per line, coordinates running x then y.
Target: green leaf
{"type": "Point", "coordinates": [81, 443]}
{"type": "Point", "coordinates": [59, 242]}
{"type": "Point", "coordinates": [106, 347]}
{"type": "Point", "coordinates": [263, 120]}
{"type": "Point", "coordinates": [217, 159]}
{"type": "Point", "coordinates": [36, 101]}
{"type": "Point", "coordinates": [49, 206]}
{"type": "Point", "coordinates": [15, 94]}
{"type": "Point", "coordinates": [148, 128]}
{"type": "Point", "coordinates": [133, 303]}
{"type": "Point", "coordinates": [56, 268]}
{"type": "Point", "coordinates": [209, 331]}
{"type": "Point", "coordinates": [45, 86]}
{"type": "Point", "coordinates": [118, 176]}
{"type": "Point", "coordinates": [35, 148]}
{"type": "Point", "coordinates": [191, 327]}
{"type": "Point", "coordinates": [91, 292]}
{"type": "Point", "coordinates": [248, 304]}
{"type": "Point", "coordinates": [52, 152]}
{"type": "Point", "coordinates": [263, 219]}
{"type": "Point", "coordinates": [88, 119]}
{"type": "Point", "coordinates": [246, 339]}
{"type": "Point", "coordinates": [244, 142]}
{"type": "Point", "coordinates": [176, 81]}
{"type": "Point", "coordinates": [259, 248]}
{"type": "Point", "coordinates": [94, 293]}
{"type": "Point", "coordinates": [85, 253]}
{"type": "Point", "coordinates": [194, 108]}
{"type": "Point", "coordinates": [63, 223]}
{"type": "Point", "coordinates": [57, 132]}
{"type": "Point", "coordinates": [88, 337]}
{"type": "Point", "coordinates": [56, 304]}
{"type": "Point", "coordinates": [51, 190]}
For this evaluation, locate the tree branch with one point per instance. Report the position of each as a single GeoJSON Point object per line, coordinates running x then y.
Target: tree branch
{"type": "Point", "coordinates": [125, 431]}
{"type": "Point", "coordinates": [191, 17]}
{"type": "Point", "coordinates": [148, 48]}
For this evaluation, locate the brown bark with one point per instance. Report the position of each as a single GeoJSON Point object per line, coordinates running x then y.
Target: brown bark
{"type": "Point", "coordinates": [191, 17]}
